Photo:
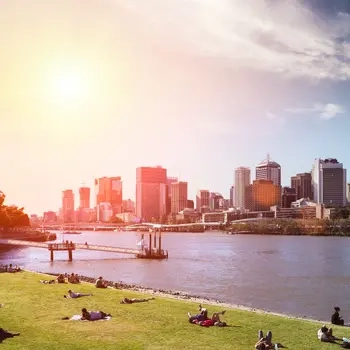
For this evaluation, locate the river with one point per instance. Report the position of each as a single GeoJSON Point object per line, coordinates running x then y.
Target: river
{"type": "Point", "coordinates": [300, 276]}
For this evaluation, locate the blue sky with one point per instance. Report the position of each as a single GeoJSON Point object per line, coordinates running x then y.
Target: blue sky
{"type": "Point", "coordinates": [200, 87]}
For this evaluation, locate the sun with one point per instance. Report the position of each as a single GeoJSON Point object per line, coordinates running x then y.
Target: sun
{"type": "Point", "coordinates": [68, 87]}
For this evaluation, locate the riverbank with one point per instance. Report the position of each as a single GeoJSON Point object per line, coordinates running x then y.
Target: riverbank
{"type": "Point", "coordinates": [183, 296]}
{"type": "Point", "coordinates": [35, 310]}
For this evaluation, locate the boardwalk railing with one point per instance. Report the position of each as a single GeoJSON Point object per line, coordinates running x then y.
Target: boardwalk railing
{"type": "Point", "coordinates": [100, 248]}
{"type": "Point", "coordinates": [23, 243]}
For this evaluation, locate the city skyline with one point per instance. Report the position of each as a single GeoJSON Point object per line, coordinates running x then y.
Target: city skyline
{"type": "Point", "coordinates": [168, 181]}
{"type": "Point", "coordinates": [201, 91]}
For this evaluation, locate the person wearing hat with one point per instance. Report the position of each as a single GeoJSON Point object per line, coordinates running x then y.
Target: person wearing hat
{"type": "Point", "coordinates": [336, 318]}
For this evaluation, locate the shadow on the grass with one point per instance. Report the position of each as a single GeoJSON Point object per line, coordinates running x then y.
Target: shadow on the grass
{"type": "Point", "coordinates": [5, 335]}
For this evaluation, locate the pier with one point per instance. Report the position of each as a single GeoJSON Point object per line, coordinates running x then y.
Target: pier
{"type": "Point", "coordinates": [149, 251]}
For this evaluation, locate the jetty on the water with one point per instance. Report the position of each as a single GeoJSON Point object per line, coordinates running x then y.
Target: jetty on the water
{"type": "Point", "coordinates": [144, 251]}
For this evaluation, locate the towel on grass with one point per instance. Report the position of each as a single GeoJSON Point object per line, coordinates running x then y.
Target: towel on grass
{"type": "Point", "coordinates": [78, 318]}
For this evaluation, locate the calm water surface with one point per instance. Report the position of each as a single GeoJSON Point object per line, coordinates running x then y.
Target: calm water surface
{"type": "Point", "coordinates": [303, 276]}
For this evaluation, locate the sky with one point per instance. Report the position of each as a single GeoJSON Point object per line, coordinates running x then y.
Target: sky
{"type": "Point", "coordinates": [97, 88]}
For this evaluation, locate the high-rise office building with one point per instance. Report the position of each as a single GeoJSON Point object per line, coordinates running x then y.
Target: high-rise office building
{"type": "Point", "coordinates": [178, 196]}
{"type": "Point", "coordinates": [262, 195]}
{"type": "Point", "coordinates": [169, 181]}
{"type": "Point", "coordinates": [268, 170]}
{"type": "Point", "coordinates": [84, 196]}
{"type": "Point", "coordinates": [348, 192]}
{"type": "Point", "coordinates": [242, 180]}
{"type": "Point", "coordinates": [216, 201]}
{"type": "Point", "coordinates": [151, 193]}
{"type": "Point", "coordinates": [302, 183]}
{"type": "Point", "coordinates": [289, 196]}
{"type": "Point", "coordinates": [68, 214]}
{"type": "Point", "coordinates": [329, 182]}
{"type": "Point", "coordinates": [202, 201]}
{"type": "Point", "coordinates": [110, 190]}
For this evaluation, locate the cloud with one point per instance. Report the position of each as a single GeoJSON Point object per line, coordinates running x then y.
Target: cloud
{"type": "Point", "coordinates": [281, 36]}
{"type": "Point", "coordinates": [325, 111]}
{"type": "Point", "coordinates": [275, 119]}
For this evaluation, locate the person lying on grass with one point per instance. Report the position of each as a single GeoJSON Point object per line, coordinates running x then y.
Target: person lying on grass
{"type": "Point", "coordinates": [214, 320]}
{"type": "Point", "coordinates": [203, 320]}
{"type": "Point", "coordinates": [74, 295]}
{"type": "Point", "coordinates": [265, 343]}
{"type": "Point", "coordinates": [47, 281]}
{"type": "Point", "coordinates": [134, 300]}
{"type": "Point", "coordinates": [93, 315]}
{"type": "Point", "coordinates": [202, 316]}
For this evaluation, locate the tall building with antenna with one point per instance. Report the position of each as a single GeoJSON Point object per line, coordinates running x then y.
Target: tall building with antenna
{"type": "Point", "coordinates": [268, 170]}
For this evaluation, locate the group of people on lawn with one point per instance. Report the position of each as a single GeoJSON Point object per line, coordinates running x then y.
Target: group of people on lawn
{"type": "Point", "coordinates": [10, 268]}
{"type": "Point", "coordinates": [324, 334]}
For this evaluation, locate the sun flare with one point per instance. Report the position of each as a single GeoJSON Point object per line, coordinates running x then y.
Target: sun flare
{"type": "Point", "coordinates": [68, 86]}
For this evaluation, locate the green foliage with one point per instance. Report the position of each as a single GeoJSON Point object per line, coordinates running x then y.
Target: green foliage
{"type": "Point", "coordinates": [12, 216]}
{"type": "Point", "coordinates": [35, 311]}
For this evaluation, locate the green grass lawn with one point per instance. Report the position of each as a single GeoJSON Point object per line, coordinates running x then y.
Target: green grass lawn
{"type": "Point", "coordinates": [35, 310]}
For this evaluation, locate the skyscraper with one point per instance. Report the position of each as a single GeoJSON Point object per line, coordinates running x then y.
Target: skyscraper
{"type": "Point", "coordinates": [302, 185]}
{"type": "Point", "coordinates": [268, 170]}
{"type": "Point", "coordinates": [329, 182]}
{"type": "Point", "coordinates": [84, 194]}
{"type": "Point", "coordinates": [216, 201]}
{"type": "Point", "coordinates": [68, 206]}
{"type": "Point", "coordinates": [151, 192]}
{"type": "Point", "coordinates": [178, 196]}
{"type": "Point", "coordinates": [242, 180]}
{"type": "Point", "coordinates": [169, 181]}
{"type": "Point", "coordinates": [202, 201]}
{"type": "Point", "coordinates": [110, 190]}
{"type": "Point", "coordinates": [262, 195]}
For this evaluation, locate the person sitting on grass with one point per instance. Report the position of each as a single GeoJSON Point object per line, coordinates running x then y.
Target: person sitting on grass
{"type": "Point", "coordinates": [326, 335]}
{"type": "Point", "coordinates": [100, 283]}
{"type": "Point", "coordinates": [134, 300]}
{"type": "Point", "coordinates": [93, 315]}
{"type": "Point", "coordinates": [336, 318]}
{"type": "Point", "coordinates": [61, 279]}
{"type": "Point", "coordinates": [73, 295]}
{"type": "Point", "coordinates": [71, 278]}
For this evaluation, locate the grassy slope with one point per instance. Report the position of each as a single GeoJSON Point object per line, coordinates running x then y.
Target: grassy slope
{"type": "Point", "coordinates": [35, 310]}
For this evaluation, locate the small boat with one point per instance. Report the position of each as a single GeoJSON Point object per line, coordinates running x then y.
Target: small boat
{"type": "Point", "coordinates": [72, 233]}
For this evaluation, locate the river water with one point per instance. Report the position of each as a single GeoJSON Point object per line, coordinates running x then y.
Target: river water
{"type": "Point", "coordinates": [301, 276]}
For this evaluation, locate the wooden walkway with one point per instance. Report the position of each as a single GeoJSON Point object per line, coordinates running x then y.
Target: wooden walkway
{"type": "Point", "coordinates": [100, 248]}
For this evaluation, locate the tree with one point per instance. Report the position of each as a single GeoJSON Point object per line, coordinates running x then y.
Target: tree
{"type": "Point", "coordinates": [12, 216]}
